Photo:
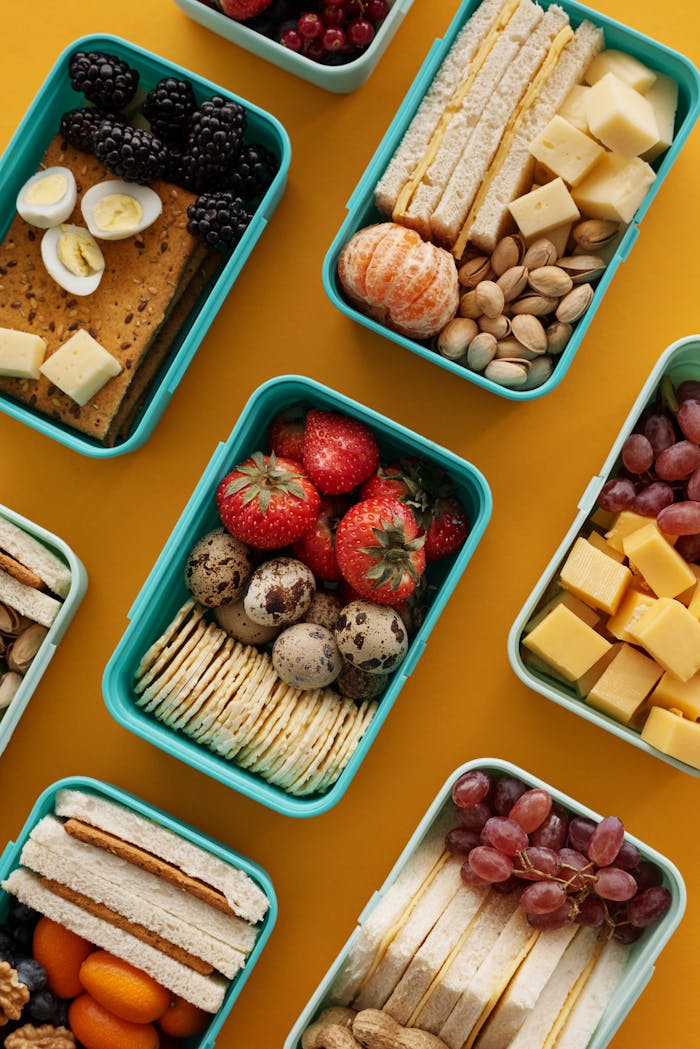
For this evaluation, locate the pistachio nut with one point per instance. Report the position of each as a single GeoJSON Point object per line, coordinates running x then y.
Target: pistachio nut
{"type": "Point", "coordinates": [529, 331]}
{"type": "Point", "coordinates": [558, 334]}
{"type": "Point", "coordinates": [474, 270]}
{"type": "Point", "coordinates": [535, 303]}
{"type": "Point", "coordinates": [498, 326]}
{"type": "Point", "coordinates": [489, 298]}
{"type": "Point", "coordinates": [540, 370]}
{"type": "Point", "coordinates": [540, 253]}
{"type": "Point", "coordinates": [513, 282]}
{"type": "Point", "coordinates": [9, 683]}
{"type": "Point", "coordinates": [582, 268]}
{"type": "Point", "coordinates": [507, 253]}
{"type": "Point", "coordinates": [550, 280]}
{"type": "Point", "coordinates": [25, 646]}
{"type": "Point", "coordinates": [511, 350]}
{"type": "Point", "coordinates": [507, 373]}
{"type": "Point", "coordinates": [468, 306]}
{"type": "Point", "coordinates": [9, 620]}
{"type": "Point", "coordinates": [592, 234]}
{"type": "Point", "coordinates": [454, 338]}
{"type": "Point", "coordinates": [481, 351]}
{"type": "Point", "coordinates": [575, 304]}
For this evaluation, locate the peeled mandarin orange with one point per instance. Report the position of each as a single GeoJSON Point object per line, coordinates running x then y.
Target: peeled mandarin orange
{"type": "Point", "coordinates": [355, 258]}
{"type": "Point", "coordinates": [182, 1019]}
{"type": "Point", "coordinates": [61, 952]}
{"type": "Point", "coordinates": [97, 1028]}
{"type": "Point", "coordinates": [126, 991]}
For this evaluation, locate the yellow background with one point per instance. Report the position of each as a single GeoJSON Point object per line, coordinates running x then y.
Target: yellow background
{"type": "Point", "coordinates": [463, 700]}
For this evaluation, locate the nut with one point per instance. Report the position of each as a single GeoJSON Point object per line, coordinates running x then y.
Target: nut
{"type": "Point", "coordinates": [507, 253]}
{"type": "Point", "coordinates": [534, 303]}
{"type": "Point", "coordinates": [592, 234]}
{"type": "Point", "coordinates": [541, 252]}
{"type": "Point", "coordinates": [513, 282]}
{"type": "Point", "coordinates": [9, 683]}
{"type": "Point", "coordinates": [558, 334]}
{"type": "Point", "coordinates": [582, 268]}
{"type": "Point", "coordinates": [468, 306]}
{"type": "Point", "coordinates": [474, 270]}
{"type": "Point", "coordinates": [13, 994]}
{"type": "Point", "coordinates": [498, 326]}
{"type": "Point", "coordinates": [9, 620]}
{"type": "Point", "coordinates": [529, 331]}
{"type": "Point", "coordinates": [490, 298]}
{"type": "Point", "coordinates": [507, 373]}
{"type": "Point", "coordinates": [455, 337]}
{"type": "Point", "coordinates": [331, 1030]}
{"type": "Point", "coordinates": [375, 1029]}
{"type": "Point", "coordinates": [25, 646]}
{"type": "Point", "coordinates": [540, 370]}
{"type": "Point", "coordinates": [550, 280]}
{"type": "Point", "coordinates": [575, 304]}
{"type": "Point", "coordinates": [481, 351]}
{"type": "Point", "coordinates": [45, 1037]}
{"type": "Point", "coordinates": [510, 349]}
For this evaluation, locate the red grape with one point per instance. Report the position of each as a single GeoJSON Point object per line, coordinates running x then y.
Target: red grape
{"type": "Point", "coordinates": [616, 495]}
{"type": "Point", "coordinates": [680, 518]}
{"type": "Point", "coordinates": [552, 833]}
{"type": "Point", "coordinates": [475, 816]}
{"type": "Point", "coordinates": [647, 874]}
{"type": "Point", "coordinates": [504, 887]}
{"type": "Point", "coordinates": [470, 788]}
{"type": "Point", "coordinates": [542, 897]}
{"type": "Point", "coordinates": [689, 389]}
{"type": "Point", "coordinates": [591, 912]}
{"type": "Point", "coordinates": [659, 432]}
{"type": "Point", "coordinates": [606, 841]}
{"type": "Point", "coordinates": [615, 884]}
{"type": "Point", "coordinates": [648, 501]}
{"type": "Point", "coordinates": [689, 419]}
{"type": "Point", "coordinates": [576, 868]}
{"type": "Point", "coordinates": [649, 906]}
{"type": "Point", "coordinates": [637, 453]}
{"type": "Point", "coordinates": [626, 933]}
{"type": "Point", "coordinates": [536, 863]}
{"type": "Point", "coordinates": [531, 809]}
{"type": "Point", "coordinates": [461, 840]}
{"type": "Point", "coordinates": [505, 835]}
{"type": "Point", "coordinates": [506, 793]}
{"type": "Point", "coordinates": [628, 857]}
{"type": "Point", "coordinates": [554, 920]}
{"type": "Point", "coordinates": [688, 546]}
{"type": "Point", "coordinates": [489, 864]}
{"type": "Point", "coordinates": [692, 488]}
{"type": "Point", "coordinates": [468, 875]}
{"type": "Point", "coordinates": [678, 462]}
{"type": "Point", "coordinates": [580, 831]}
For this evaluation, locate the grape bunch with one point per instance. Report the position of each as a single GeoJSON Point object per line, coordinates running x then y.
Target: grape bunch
{"type": "Point", "coordinates": [517, 839]}
{"type": "Point", "coordinates": [661, 462]}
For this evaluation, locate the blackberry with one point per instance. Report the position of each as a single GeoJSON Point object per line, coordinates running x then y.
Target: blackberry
{"type": "Point", "coordinates": [79, 127]}
{"type": "Point", "coordinates": [215, 138]}
{"type": "Point", "coordinates": [129, 153]}
{"type": "Point", "coordinates": [104, 79]}
{"type": "Point", "coordinates": [220, 219]}
{"type": "Point", "coordinates": [169, 107]}
{"type": "Point", "coordinates": [253, 170]}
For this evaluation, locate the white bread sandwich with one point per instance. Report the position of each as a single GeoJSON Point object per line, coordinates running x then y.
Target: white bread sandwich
{"type": "Point", "coordinates": [582, 1018]}
{"type": "Point", "coordinates": [50, 569]}
{"type": "Point", "coordinates": [27, 599]}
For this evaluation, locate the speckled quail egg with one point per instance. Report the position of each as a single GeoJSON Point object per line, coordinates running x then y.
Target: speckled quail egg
{"type": "Point", "coordinates": [359, 684]}
{"type": "Point", "coordinates": [73, 258]}
{"type": "Point", "coordinates": [306, 656]}
{"type": "Point", "coordinates": [279, 592]}
{"type": "Point", "coordinates": [114, 210]}
{"type": "Point", "coordinates": [218, 567]}
{"type": "Point", "coordinates": [324, 609]}
{"type": "Point", "coordinates": [233, 619]}
{"type": "Point", "coordinates": [371, 637]}
{"type": "Point", "coordinates": [48, 198]}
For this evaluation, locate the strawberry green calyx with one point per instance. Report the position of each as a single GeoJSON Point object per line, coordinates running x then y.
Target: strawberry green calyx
{"type": "Point", "coordinates": [262, 478]}
{"type": "Point", "coordinates": [392, 555]}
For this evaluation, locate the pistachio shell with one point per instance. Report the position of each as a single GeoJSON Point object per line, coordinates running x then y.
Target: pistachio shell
{"type": "Point", "coordinates": [468, 306]}
{"type": "Point", "coordinates": [535, 303]}
{"type": "Point", "coordinates": [454, 338]}
{"type": "Point", "coordinates": [592, 234]}
{"type": "Point", "coordinates": [540, 371]}
{"type": "Point", "coordinates": [582, 268]}
{"type": "Point", "coordinates": [9, 683]}
{"type": "Point", "coordinates": [513, 282]}
{"type": "Point", "coordinates": [540, 253]}
{"type": "Point", "coordinates": [481, 351]}
{"type": "Point", "coordinates": [550, 280]}
{"type": "Point", "coordinates": [498, 326]}
{"type": "Point", "coordinates": [474, 270]}
{"type": "Point", "coordinates": [558, 334]}
{"type": "Point", "coordinates": [507, 373]}
{"type": "Point", "coordinates": [10, 620]}
{"type": "Point", "coordinates": [529, 331]}
{"type": "Point", "coordinates": [511, 350]}
{"type": "Point", "coordinates": [25, 646]}
{"type": "Point", "coordinates": [575, 304]}
{"type": "Point", "coordinates": [507, 253]}
{"type": "Point", "coordinates": [490, 298]}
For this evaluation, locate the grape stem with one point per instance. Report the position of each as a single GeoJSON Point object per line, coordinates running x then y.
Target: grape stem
{"type": "Point", "coordinates": [527, 867]}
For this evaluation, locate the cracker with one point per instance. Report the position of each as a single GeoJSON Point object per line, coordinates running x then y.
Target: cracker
{"type": "Point", "coordinates": [279, 710]}
{"type": "Point", "coordinates": [192, 669]}
{"type": "Point", "coordinates": [315, 739]}
{"type": "Point", "coordinates": [310, 771]}
{"type": "Point", "coordinates": [350, 747]}
{"type": "Point", "coordinates": [301, 728]}
{"type": "Point", "coordinates": [253, 713]}
{"type": "Point", "coordinates": [207, 685]}
{"type": "Point", "coordinates": [180, 704]}
{"type": "Point", "coordinates": [237, 673]}
{"type": "Point", "coordinates": [353, 715]}
{"type": "Point", "coordinates": [162, 649]}
{"type": "Point", "coordinates": [168, 675]}
{"type": "Point", "coordinates": [225, 735]}
{"type": "Point", "coordinates": [20, 572]}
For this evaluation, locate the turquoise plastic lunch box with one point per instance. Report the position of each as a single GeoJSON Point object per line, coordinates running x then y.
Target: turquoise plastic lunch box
{"type": "Point", "coordinates": [20, 160]}
{"type": "Point", "coordinates": [643, 953]}
{"type": "Point", "coordinates": [45, 804]}
{"type": "Point", "coordinates": [164, 591]}
{"type": "Point", "coordinates": [30, 681]}
{"type": "Point", "coordinates": [361, 210]}
{"type": "Point", "coordinates": [339, 79]}
{"type": "Point", "coordinates": [681, 361]}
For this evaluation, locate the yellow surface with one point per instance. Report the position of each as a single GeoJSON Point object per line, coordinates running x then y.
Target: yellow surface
{"type": "Point", "coordinates": [462, 700]}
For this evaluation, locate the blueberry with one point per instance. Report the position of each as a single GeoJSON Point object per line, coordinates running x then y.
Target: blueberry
{"type": "Point", "coordinates": [22, 937]}
{"type": "Point", "coordinates": [7, 955]}
{"type": "Point", "coordinates": [31, 973]}
{"type": "Point", "coordinates": [60, 1013]}
{"type": "Point", "coordinates": [23, 915]}
{"type": "Point", "coordinates": [6, 940]}
{"type": "Point", "coordinates": [41, 1007]}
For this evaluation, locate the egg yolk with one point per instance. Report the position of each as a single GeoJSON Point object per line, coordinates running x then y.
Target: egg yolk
{"type": "Point", "coordinates": [48, 190]}
{"type": "Point", "coordinates": [117, 211]}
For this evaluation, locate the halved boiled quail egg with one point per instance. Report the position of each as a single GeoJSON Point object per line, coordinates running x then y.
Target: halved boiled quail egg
{"type": "Point", "coordinates": [73, 258]}
{"type": "Point", "coordinates": [47, 198]}
{"type": "Point", "coordinates": [114, 210]}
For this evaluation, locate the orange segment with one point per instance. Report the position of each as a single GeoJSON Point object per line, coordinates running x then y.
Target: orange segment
{"type": "Point", "coordinates": [413, 278]}
{"type": "Point", "coordinates": [388, 257]}
{"type": "Point", "coordinates": [183, 1019]}
{"type": "Point", "coordinates": [97, 1028]}
{"type": "Point", "coordinates": [355, 258]}
{"type": "Point", "coordinates": [126, 991]}
{"type": "Point", "coordinates": [61, 952]}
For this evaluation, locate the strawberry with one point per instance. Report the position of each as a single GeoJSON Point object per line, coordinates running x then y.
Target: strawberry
{"type": "Point", "coordinates": [267, 502]}
{"type": "Point", "coordinates": [407, 480]}
{"type": "Point", "coordinates": [339, 452]}
{"type": "Point", "coordinates": [286, 434]}
{"type": "Point", "coordinates": [317, 548]}
{"type": "Point", "coordinates": [242, 10]}
{"type": "Point", "coordinates": [448, 529]}
{"type": "Point", "coordinates": [379, 550]}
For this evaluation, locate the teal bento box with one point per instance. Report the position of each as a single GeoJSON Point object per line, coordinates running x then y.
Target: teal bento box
{"type": "Point", "coordinates": [45, 805]}
{"type": "Point", "coordinates": [643, 953]}
{"type": "Point", "coordinates": [20, 160]}
{"type": "Point", "coordinates": [681, 361]}
{"type": "Point", "coordinates": [9, 717]}
{"type": "Point", "coordinates": [362, 210]}
{"type": "Point", "coordinates": [164, 591]}
{"type": "Point", "coordinates": [340, 78]}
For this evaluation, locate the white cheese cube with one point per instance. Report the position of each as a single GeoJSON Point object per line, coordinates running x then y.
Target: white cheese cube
{"type": "Point", "coordinates": [620, 117]}
{"type": "Point", "coordinates": [544, 209]}
{"type": "Point", "coordinates": [81, 367]}
{"type": "Point", "coordinates": [663, 98]}
{"type": "Point", "coordinates": [573, 108]}
{"type": "Point", "coordinates": [21, 353]}
{"type": "Point", "coordinates": [565, 150]}
{"type": "Point", "coordinates": [626, 67]}
{"type": "Point", "coordinates": [615, 188]}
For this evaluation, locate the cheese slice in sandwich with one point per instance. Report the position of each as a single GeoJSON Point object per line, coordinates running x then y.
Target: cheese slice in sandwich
{"type": "Point", "coordinates": [512, 169]}
{"type": "Point", "coordinates": [392, 910]}
{"type": "Point", "coordinates": [35, 556]}
{"type": "Point", "coordinates": [497, 114]}
{"type": "Point", "coordinates": [583, 1017]}
{"type": "Point", "coordinates": [452, 139]}
{"type": "Point", "coordinates": [234, 891]}
{"type": "Point", "coordinates": [489, 982]}
{"type": "Point", "coordinates": [452, 927]}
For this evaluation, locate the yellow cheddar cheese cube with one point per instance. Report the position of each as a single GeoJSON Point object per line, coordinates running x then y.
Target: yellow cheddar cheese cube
{"type": "Point", "coordinates": [678, 695]}
{"type": "Point", "coordinates": [544, 209]}
{"type": "Point", "coordinates": [663, 568]}
{"type": "Point", "coordinates": [573, 603]}
{"type": "Point", "coordinates": [623, 65]}
{"type": "Point", "coordinates": [566, 643]}
{"type": "Point", "coordinates": [597, 540]}
{"type": "Point", "coordinates": [691, 597]}
{"type": "Point", "coordinates": [671, 636]}
{"type": "Point", "coordinates": [594, 577]}
{"type": "Point", "coordinates": [602, 518]}
{"type": "Point", "coordinates": [573, 108]}
{"type": "Point", "coordinates": [624, 684]}
{"type": "Point", "coordinates": [663, 97]}
{"type": "Point", "coordinates": [565, 150]}
{"type": "Point", "coordinates": [623, 525]}
{"type": "Point", "coordinates": [694, 603]}
{"type": "Point", "coordinates": [633, 605]}
{"type": "Point", "coordinates": [673, 735]}
{"type": "Point", "coordinates": [621, 118]}
{"type": "Point", "coordinates": [615, 188]}
{"type": "Point", "coordinates": [585, 683]}
{"type": "Point", "coordinates": [539, 665]}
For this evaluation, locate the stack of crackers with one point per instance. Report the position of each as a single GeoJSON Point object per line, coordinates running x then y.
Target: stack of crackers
{"type": "Point", "coordinates": [227, 696]}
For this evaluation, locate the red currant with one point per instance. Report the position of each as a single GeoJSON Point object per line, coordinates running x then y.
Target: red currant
{"type": "Point", "coordinates": [333, 16]}
{"type": "Point", "coordinates": [354, 8]}
{"type": "Point", "coordinates": [314, 50]}
{"type": "Point", "coordinates": [291, 39]}
{"type": "Point", "coordinates": [310, 25]}
{"type": "Point", "coordinates": [333, 38]}
{"type": "Point", "coordinates": [376, 10]}
{"type": "Point", "coordinates": [361, 32]}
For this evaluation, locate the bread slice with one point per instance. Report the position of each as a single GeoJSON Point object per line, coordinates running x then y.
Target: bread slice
{"type": "Point", "coordinates": [244, 897]}
{"type": "Point", "coordinates": [27, 601]}
{"type": "Point", "coordinates": [590, 1005]}
{"type": "Point", "coordinates": [34, 555]}
{"type": "Point", "coordinates": [206, 992]}
{"type": "Point", "coordinates": [499, 110]}
{"type": "Point", "coordinates": [513, 170]}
